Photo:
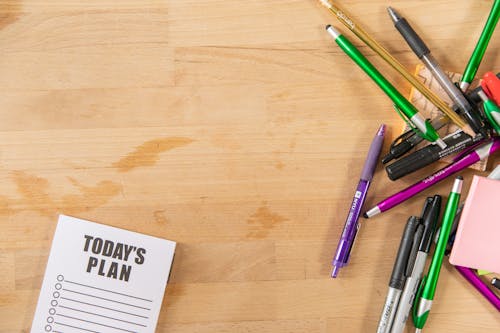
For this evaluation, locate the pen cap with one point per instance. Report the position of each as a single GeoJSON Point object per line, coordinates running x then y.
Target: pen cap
{"type": "Point", "coordinates": [398, 272]}
{"type": "Point", "coordinates": [491, 85]}
{"type": "Point", "coordinates": [412, 162]}
{"type": "Point", "coordinates": [429, 221]}
{"type": "Point", "coordinates": [373, 154]}
{"type": "Point", "coordinates": [472, 95]}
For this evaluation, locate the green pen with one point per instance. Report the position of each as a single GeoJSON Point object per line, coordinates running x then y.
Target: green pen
{"type": "Point", "coordinates": [410, 112]}
{"type": "Point", "coordinates": [427, 289]}
{"type": "Point", "coordinates": [478, 53]}
{"type": "Point", "coordinates": [491, 110]}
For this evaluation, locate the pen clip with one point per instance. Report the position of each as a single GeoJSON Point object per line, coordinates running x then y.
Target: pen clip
{"type": "Point", "coordinates": [401, 138]}
{"type": "Point", "coordinates": [410, 124]}
{"type": "Point", "coordinates": [420, 289]}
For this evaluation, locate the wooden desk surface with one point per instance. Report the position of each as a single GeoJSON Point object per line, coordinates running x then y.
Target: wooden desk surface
{"type": "Point", "coordinates": [237, 129]}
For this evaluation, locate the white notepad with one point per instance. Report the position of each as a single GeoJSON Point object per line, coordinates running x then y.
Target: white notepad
{"type": "Point", "coordinates": [102, 279]}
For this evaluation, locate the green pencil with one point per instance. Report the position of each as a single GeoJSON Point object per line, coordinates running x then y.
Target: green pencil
{"type": "Point", "coordinates": [423, 301]}
{"type": "Point", "coordinates": [401, 103]}
{"type": "Point", "coordinates": [478, 53]}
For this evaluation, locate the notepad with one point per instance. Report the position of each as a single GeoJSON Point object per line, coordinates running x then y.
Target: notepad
{"type": "Point", "coordinates": [477, 242]}
{"type": "Point", "coordinates": [102, 279]}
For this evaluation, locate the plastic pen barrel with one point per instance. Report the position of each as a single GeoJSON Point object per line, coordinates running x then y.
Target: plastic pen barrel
{"type": "Point", "coordinates": [478, 53]}
{"type": "Point", "coordinates": [429, 289]}
{"type": "Point", "coordinates": [399, 100]}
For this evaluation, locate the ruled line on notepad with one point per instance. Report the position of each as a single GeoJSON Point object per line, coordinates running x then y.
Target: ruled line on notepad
{"type": "Point", "coordinates": [78, 328]}
{"type": "Point", "coordinates": [95, 323]}
{"type": "Point", "coordinates": [109, 291]}
{"type": "Point", "coordinates": [106, 299]}
{"type": "Point", "coordinates": [99, 315]}
{"type": "Point", "coordinates": [103, 307]}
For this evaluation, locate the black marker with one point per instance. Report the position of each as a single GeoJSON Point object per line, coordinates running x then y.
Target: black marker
{"type": "Point", "coordinates": [455, 142]}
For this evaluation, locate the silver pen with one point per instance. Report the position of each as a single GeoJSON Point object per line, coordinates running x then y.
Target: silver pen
{"type": "Point", "coordinates": [424, 54]}
{"type": "Point", "coordinates": [429, 220]}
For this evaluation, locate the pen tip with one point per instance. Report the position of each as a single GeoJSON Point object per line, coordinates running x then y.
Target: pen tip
{"type": "Point", "coordinates": [460, 177]}
{"type": "Point", "coordinates": [393, 14]}
{"type": "Point", "coordinates": [328, 26]}
{"type": "Point", "coordinates": [365, 215]}
{"type": "Point", "coordinates": [335, 271]}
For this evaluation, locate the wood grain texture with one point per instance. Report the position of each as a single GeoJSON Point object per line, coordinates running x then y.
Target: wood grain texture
{"type": "Point", "coordinates": [237, 129]}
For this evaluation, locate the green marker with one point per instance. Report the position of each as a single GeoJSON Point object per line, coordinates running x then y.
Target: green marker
{"type": "Point", "coordinates": [491, 110]}
{"type": "Point", "coordinates": [478, 53]}
{"type": "Point", "coordinates": [411, 113]}
{"type": "Point", "coordinates": [424, 297]}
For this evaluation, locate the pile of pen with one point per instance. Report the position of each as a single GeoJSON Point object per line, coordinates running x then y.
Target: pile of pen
{"type": "Point", "coordinates": [477, 116]}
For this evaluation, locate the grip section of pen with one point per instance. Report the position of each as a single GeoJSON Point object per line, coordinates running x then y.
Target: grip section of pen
{"type": "Point", "coordinates": [412, 38]}
{"type": "Point", "coordinates": [373, 154]}
{"type": "Point", "coordinates": [401, 102]}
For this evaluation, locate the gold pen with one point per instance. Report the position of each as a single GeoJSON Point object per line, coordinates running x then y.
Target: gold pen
{"type": "Point", "coordinates": [382, 52]}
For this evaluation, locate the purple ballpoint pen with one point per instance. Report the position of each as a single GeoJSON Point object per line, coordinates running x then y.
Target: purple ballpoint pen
{"type": "Point", "coordinates": [471, 158]}
{"type": "Point", "coordinates": [351, 225]}
{"type": "Point", "coordinates": [480, 285]}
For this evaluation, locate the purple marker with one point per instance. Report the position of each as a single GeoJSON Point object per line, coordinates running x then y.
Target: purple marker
{"type": "Point", "coordinates": [469, 159]}
{"type": "Point", "coordinates": [480, 286]}
{"type": "Point", "coordinates": [351, 224]}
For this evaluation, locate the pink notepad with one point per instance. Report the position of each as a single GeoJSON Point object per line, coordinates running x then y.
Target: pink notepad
{"type": "Point", "coordinates": [477, 243]}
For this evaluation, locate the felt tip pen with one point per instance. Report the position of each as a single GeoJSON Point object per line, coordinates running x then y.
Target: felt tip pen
{"type": "Point", "coordinates": [455, 142]}
{"type": "Point", "coordinates": [478, 53]}
{"type": "Point", "coordinates": [472, 157]}
{"type": "Point", "coordinates": [423, 302]}
{"type": "Point", "coordinates": [424, 54]}
{"type": "Point", "coordinates": [429, 221]}
{"type": "Point", "coordinates": [401, 103]}
{"type": "Point", "coordinates": [397, 281]}
{"type": "Point", "coordinates": [351, 226]}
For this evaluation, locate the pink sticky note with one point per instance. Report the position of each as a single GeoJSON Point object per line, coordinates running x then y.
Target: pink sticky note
{"type": "Point", "coordinates": [477, 242]}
